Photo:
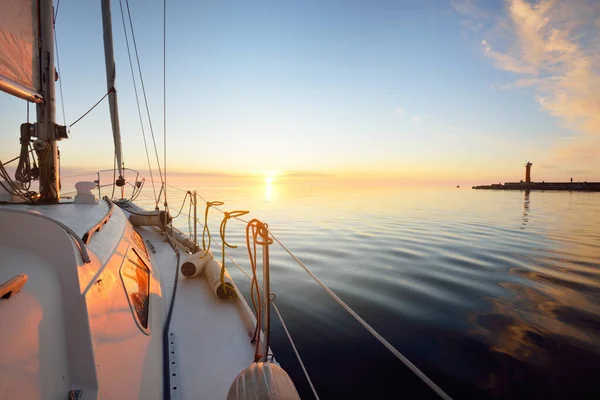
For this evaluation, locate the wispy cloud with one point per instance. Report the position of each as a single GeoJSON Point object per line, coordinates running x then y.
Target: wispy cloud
{"type": "Point", "coordinates": [398, 111]}
{"type": "Point", "coordinates": [554, 48]}
{"type": "Point", "coordinates": [416, 119]}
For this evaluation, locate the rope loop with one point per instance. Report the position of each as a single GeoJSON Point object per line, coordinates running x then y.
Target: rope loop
{"type": "Point", "coordinates": [226, 217]}
{"type": "Point", "coordinates": [205, 230]}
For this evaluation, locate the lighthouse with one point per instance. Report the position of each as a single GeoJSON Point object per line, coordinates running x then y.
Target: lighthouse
{"type": "Point", "coordinates": [528, 172]}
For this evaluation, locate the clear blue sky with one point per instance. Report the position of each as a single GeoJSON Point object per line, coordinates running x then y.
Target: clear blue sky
{"type": "Point", "coordinates": [435, 90]}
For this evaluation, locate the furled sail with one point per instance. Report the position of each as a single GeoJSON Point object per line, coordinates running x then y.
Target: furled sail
{"type": "Point", "coordinates": [19, 49]}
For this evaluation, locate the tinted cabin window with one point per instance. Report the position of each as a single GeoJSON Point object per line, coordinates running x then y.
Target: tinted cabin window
{"type": "Point", "coordinates": [136, 280]}
{"type": "Point", "coordinates": [137, 239]}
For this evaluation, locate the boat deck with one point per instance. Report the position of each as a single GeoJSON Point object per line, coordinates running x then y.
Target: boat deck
{"type": "Point", "coordinates": [211, 336]}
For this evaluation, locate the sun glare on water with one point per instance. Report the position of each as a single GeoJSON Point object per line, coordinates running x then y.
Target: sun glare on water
{"type": "Point", "coordinates": [268, 188]}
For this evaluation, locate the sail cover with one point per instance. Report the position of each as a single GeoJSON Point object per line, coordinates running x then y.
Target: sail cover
{"type": "Point", "coordinates": [19, 51]}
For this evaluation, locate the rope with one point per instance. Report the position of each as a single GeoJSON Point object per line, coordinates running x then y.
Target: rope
{"type": "Point", "coordinates": [137, 190]}
{"type": "Point", "coordinates": [258, 229]}
{"type": "Point", "coordinates": [228, 215]}
{"type": "Point", "coordinates": [188, 193]}
{"type": "Point", "coordinates": [209, 204]}
{"type": "Point", "coordinates": [368, 327]}
{"type": "Point", "coordinates": [226, 255]}
{"type": "Point", "coordinates": [287, 332]}
{"type": "Point", "coordinates": [94, 106]}
{"type": "Point", "coordinates": [137, 100]}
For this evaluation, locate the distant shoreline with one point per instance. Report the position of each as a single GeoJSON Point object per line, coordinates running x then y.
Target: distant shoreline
{"type": "Point", "coordinates": [570, 186]}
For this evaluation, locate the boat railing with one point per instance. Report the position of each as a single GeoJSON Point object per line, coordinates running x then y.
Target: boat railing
{"type": "Point", "coordinates": [136, 184]}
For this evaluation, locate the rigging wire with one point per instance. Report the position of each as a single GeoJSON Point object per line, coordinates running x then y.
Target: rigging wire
{"type": "Point", "coordinates": [112, 196]}
{"type": "Point", "coordinates": [368, 327]}
{"type": "Point", "coordinates": [56, 10]}
{"type": "Point", "coordinates": [165, 95]}
{"type": "Point", "coordinates": [60, 86]}
{"type": "Point", "coordinates": [144, 91]}
{"type": "Point", "coordinates": [15, 159]}
{"type": "Point", "coordinates": [94, 106]}
{"type": "Point", "coordinates": [287, 332]}
{"type": "Point", "coordinates": [137, 100]}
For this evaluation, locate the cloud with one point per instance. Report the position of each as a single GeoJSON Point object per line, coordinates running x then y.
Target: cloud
{"type": "Point", "coordinates": [475, 16]}
{"type": "Point", "coordinates": [416, 119]}
{"type": "Point", "coordinates": [553, 48]}
{"type": "Point", "coordinates": [399, 111]}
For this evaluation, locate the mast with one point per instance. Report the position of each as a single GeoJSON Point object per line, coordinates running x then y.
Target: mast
{"type": "Point", "coordinates": [46, 132]}
{"type": "Point", "coordinates": [110, 85]}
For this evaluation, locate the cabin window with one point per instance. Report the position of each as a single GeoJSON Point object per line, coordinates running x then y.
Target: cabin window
{"type": "Point", "coordinates": [135, 275]}
{"type": "Point", "coordinates": [137, 239]}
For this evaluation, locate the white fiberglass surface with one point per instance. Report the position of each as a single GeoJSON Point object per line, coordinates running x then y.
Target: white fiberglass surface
{"type": "Point", "coordinates": [34, 361]}
{"type": "Point", "coordinates": [212, 335]}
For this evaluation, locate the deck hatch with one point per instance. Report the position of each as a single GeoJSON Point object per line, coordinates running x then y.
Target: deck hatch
{"type": "Point", "coordinates": [135, 275]}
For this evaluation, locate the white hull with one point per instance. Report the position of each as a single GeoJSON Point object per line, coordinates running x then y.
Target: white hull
{"type": "Point", "coordinates": [73, 326]}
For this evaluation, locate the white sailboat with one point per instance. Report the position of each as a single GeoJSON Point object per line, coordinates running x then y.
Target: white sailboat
{"type": "Point", "coordinates": [101, 299]}
{"type": "Point", "coordinates": [87, 309]}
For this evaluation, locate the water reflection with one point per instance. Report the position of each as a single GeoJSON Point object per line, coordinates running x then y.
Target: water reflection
{"type": "Point", "coordinates": [525, 210]}
{"type": "Point", "coordinates": [268, 188]}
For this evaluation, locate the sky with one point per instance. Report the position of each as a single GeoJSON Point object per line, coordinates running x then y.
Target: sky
{"type": "Point", "coordinates": [425, 91]}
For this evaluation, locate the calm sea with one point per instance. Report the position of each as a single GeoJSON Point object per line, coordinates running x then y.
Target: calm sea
{"type": "Point", "coordinates": [492, 294]}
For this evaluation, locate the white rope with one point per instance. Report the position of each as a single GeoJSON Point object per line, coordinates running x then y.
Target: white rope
{"type": "Point", "coordinates": [369, 328]}
{"type": "Point", "coordinates": [295, 350]}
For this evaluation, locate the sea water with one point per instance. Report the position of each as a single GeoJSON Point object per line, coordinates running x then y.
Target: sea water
{"type": "Point", "coordinates": [492, 294]}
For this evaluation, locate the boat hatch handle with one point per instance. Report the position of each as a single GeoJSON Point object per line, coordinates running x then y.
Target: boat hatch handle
{"type": "Point", "coordinates": [88, 235]}
{"type": "Point", "coordinates": [12, 286]}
